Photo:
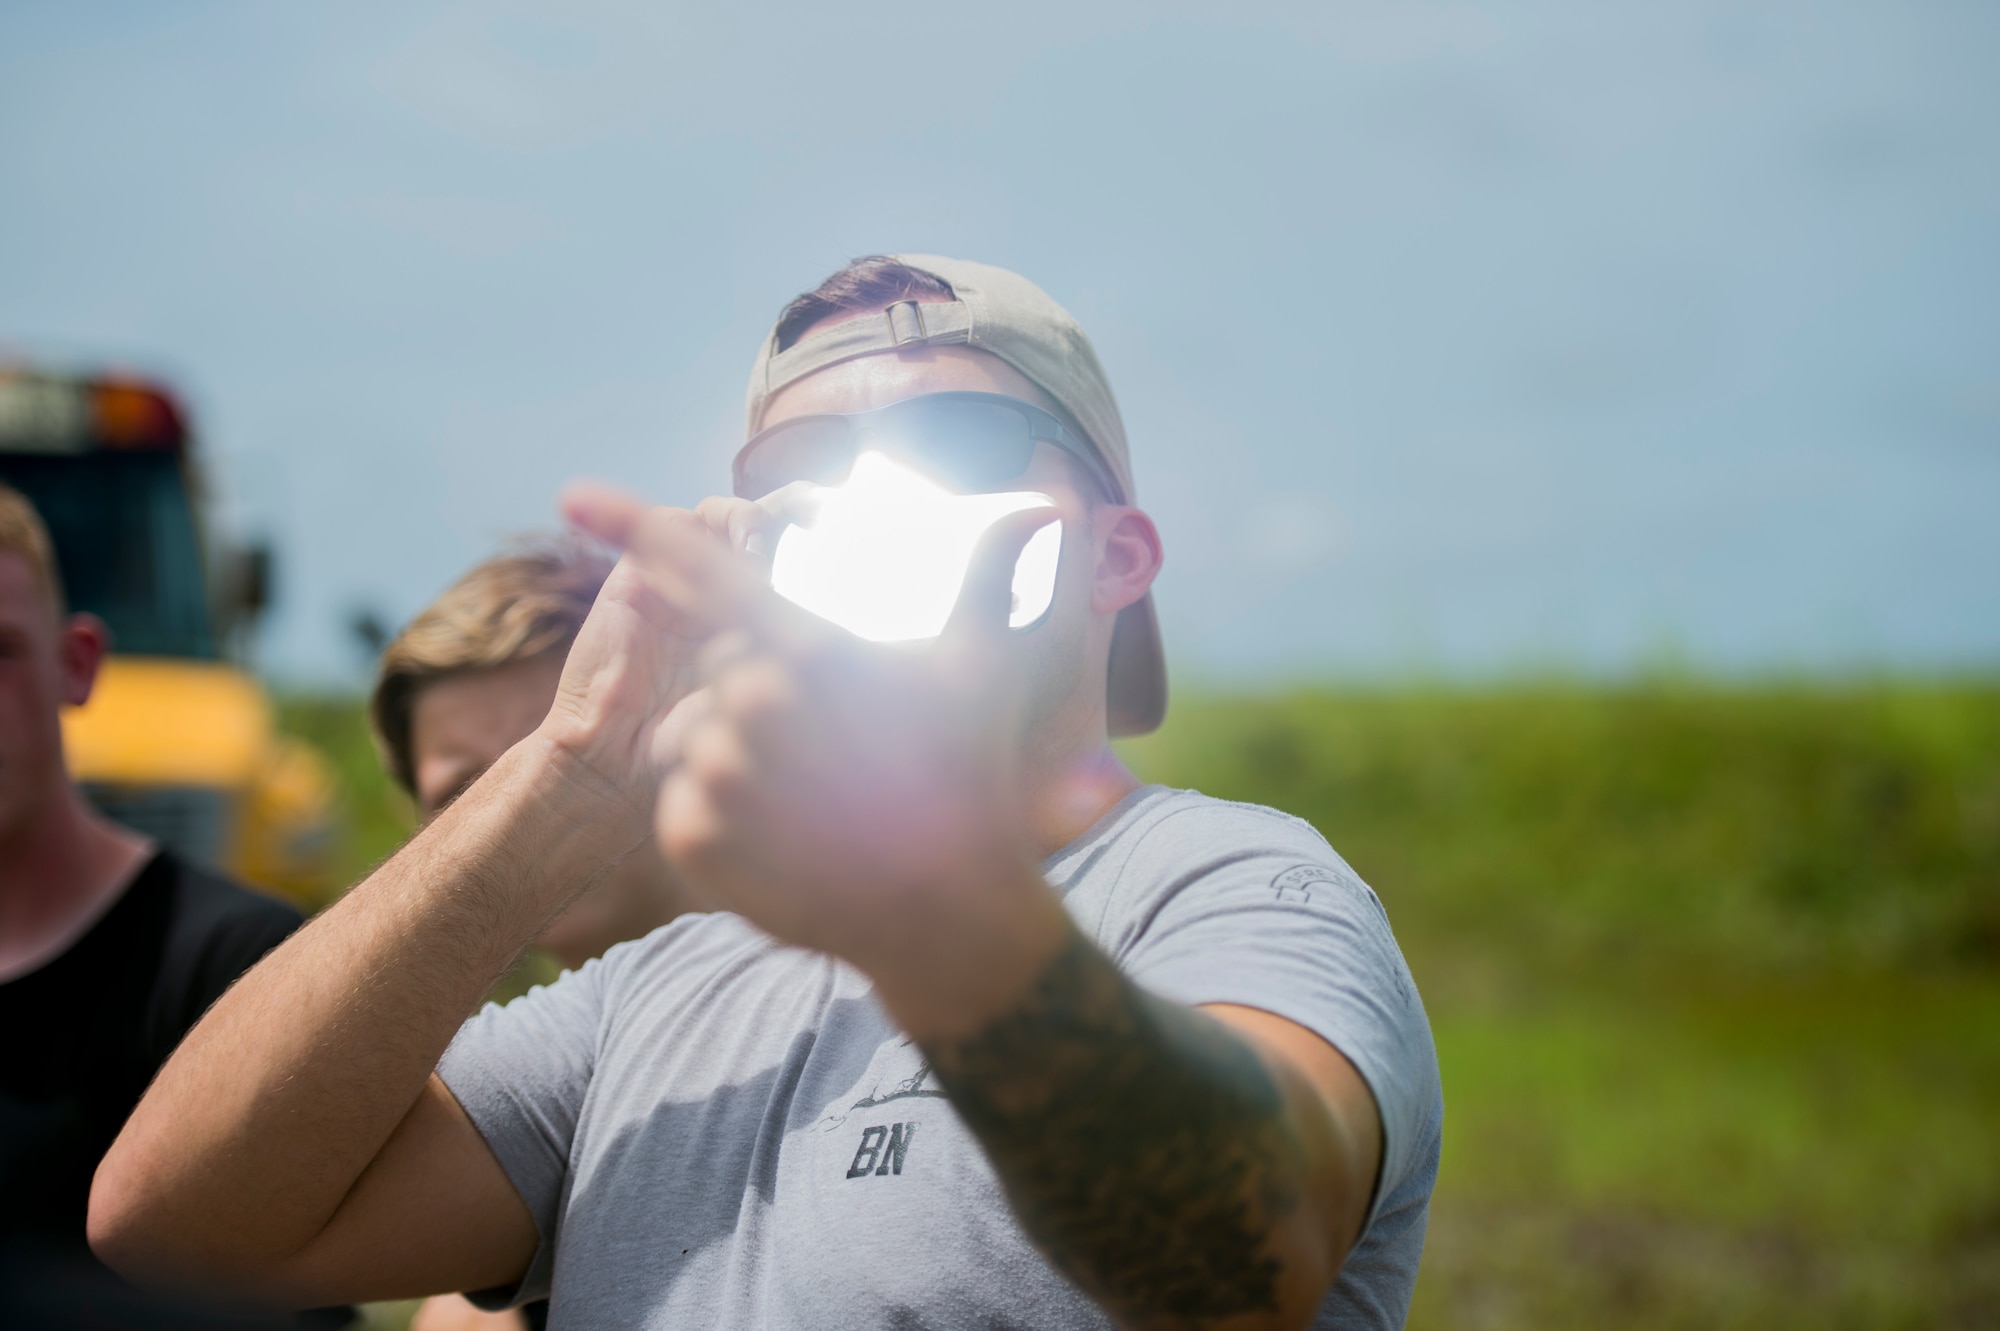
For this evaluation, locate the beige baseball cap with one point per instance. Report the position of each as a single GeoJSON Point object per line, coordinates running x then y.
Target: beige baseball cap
{"type": "Point", "coordinates": [1005, 314]}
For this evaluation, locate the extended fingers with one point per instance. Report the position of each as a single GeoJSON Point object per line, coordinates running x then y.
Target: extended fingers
{"type": "Point", "coordinates": [758, 695]}
{"type": "Point", "coordinates": [678, 553]}
{"type": "Point", "coordinates": [718, 759]}
{"type": "Point", "coordinates": [662, 540]}
{"type": "Point", "coordinates": [797, 502]}
{"type": "Point", "coordinates": [670, 738]}
{"type": "Point", "coordinates": [690, 831]}
{"type": "Point", "coordinates": [716, 782]}
{"type": "Point", "coordinates": [608, 513]}
{"type": "Point", "coordinates": [737, 523]}
{"type": "Point", "coordinates": [752, 526]}
{"type": "Point", "coordinates": [747, 697]}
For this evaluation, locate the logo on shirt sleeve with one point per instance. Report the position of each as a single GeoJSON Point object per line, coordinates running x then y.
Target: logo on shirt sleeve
{"type": "Point", "coordinates": [1295, 884]}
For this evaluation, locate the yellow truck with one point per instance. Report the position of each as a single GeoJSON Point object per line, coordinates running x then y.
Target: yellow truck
{"type": "Point", "coordinates": [178, 740]}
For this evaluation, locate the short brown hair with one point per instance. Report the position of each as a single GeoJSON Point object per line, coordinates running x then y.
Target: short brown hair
{"type": "Point", "coordinates": [872, 282]}
{"type": "Point", "coordinates": [514, 607]}
{"type": "Point", "coordinates": [22, 532]}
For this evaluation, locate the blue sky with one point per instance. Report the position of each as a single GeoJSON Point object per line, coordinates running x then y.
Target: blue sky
{"type": "Point", "coordinates": [1466, 339]}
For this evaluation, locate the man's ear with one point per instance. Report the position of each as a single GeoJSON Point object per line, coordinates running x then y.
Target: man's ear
{"type": "Point", "coordinates": [80, 652]}
{"type": "Point", "coordinates": [1128, 557]}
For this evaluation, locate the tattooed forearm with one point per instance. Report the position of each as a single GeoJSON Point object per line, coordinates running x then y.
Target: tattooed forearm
{"type": "Point", "coordinates": [1143, 1145]}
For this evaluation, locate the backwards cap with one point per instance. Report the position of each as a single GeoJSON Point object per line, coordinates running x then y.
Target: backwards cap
{"type": "Point", "coordinates": [1006, 315]}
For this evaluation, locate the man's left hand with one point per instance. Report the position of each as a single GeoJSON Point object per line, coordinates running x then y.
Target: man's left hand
{"type": "Point", "coordinates": [852, 797]}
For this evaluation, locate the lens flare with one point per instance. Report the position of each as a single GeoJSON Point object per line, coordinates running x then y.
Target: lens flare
{"type": "Point", "coordinates": [884, 554]}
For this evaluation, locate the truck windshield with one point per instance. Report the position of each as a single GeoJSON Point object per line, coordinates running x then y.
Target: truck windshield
{"type": "Point", "coordinates": [125, 541]}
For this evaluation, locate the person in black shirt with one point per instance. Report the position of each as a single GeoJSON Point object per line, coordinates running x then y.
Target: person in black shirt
{"type": "Point", "coordinates": [110, 950]}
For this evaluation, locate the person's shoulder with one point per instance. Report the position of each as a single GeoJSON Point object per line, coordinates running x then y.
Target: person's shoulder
{"type": "Point", "coordinates": [215, 930]}
{"type": "Point", "coordinates": [686, 945]}
{"type": "Point", "coordinates": [691, 931]}
{"type": "Point", "coordinates": [1173, 844]}
{"type": "Point", "coordinates": [207, 901]}
{"type": "Point", "coordinates": [1183, 823]}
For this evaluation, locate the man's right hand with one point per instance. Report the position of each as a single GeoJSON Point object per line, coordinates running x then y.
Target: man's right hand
{"type": "Point", "coordinates": [631, 664]}
{"type": "Point", "coordinates": [298, 1148]}
{"type": "Point", "coordinates": [635, 660]}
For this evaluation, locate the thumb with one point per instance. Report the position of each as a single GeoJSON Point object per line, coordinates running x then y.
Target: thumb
{"type": "Point", "coordinates": [986, 598]}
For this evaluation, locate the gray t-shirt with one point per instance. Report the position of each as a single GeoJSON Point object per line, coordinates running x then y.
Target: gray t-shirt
{"type": "Point", "coordinates": [713, 1130]}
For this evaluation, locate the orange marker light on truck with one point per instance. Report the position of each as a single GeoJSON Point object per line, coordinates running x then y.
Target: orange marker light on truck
{"type": "Point", "coordinates": [132, 415]}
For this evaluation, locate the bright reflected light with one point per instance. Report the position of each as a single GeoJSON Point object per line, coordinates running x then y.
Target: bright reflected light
{"type": "Point", "coordinates": [885, 554]}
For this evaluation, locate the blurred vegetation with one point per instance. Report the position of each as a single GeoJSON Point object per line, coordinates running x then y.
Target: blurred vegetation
{"type": "Point", "coordinates": [1715, 978]}
{"type": "Point", "coordinates": [375, 815]}
{"type": "Point", "coordinates": [1714, 973]}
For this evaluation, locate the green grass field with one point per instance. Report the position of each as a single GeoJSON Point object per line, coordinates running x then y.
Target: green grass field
{"type": "Point", "coordinates": [1714, 973]}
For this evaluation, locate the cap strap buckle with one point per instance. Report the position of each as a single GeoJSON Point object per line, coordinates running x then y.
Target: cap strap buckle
{"type": "Point", "coordinates": [906, 323]}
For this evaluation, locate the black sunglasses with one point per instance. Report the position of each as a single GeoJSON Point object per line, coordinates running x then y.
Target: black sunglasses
{"type": "Point", "coordinates": [969, 442]}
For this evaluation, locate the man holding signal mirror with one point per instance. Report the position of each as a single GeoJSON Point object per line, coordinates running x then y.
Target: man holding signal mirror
{"type": "Point", "coordinates": [980, 1032]}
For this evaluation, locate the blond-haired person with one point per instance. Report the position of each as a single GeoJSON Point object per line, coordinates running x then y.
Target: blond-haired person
{"type": "Point", "coordinates": [468, 678]}
{"type": "Point", "coordinates": [471, 676]}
